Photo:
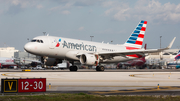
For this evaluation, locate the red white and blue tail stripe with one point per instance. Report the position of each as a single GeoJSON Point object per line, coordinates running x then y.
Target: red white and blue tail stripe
{"type": "Point", "coordinates": [177, 56]}
{"type": "Point", "coordinates": [135, 41]}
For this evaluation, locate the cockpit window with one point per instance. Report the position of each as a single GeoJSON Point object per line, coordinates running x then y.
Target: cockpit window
{"type": "Point", "coordinates": [36, 40]}
{"type": "Point", "coordinates": [33, 40]}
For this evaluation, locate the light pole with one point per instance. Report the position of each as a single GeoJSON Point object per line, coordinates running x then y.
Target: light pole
{"type": "Point", "coordinates": [91, 37]}
{"type": "Point", "coordinates": [160, 48]}
{"type": "Point", "coordinates": [160, 41]}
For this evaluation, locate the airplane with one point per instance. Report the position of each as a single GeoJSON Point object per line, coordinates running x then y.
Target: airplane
{"type": "Point", "coordinates": [177, 56]}
{"type": "Point", "coordinates": [135, 62]}
{"type": "Point", "coordinates": [88, 52]}
{"type": "Point", "coordinates": [6, 62]}
{"type": "Point", "coordinates": [175, 63]}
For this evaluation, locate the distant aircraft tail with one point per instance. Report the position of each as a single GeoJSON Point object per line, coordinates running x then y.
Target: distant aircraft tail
{"type": "Point", "coordinates": [135, 40]}
{"type": "Point", "coordinates": [177, 56]}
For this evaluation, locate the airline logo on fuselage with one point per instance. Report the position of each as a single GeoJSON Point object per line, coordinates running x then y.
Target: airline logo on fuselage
{"type": "Point", "coordinates": [58, 44]}
{"type": "Point", "coordinates": [9, 60]}
{"type": "Point", "coordinates": [79, 46]}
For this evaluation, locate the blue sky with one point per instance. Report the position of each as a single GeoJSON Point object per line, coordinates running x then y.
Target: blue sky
{"type": "Point", "coordinates": [106, 20]}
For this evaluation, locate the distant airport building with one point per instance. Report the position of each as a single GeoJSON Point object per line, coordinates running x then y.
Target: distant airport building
{"type": "Point", "coordinates": [24, 58]}
{"type": "Point", "coordinates": [7, 52]}
{"type": "Point", "coordinates": [25, 55]}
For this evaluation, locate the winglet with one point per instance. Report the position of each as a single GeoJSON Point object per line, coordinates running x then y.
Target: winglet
{"type": "Point", "coordinates": [170, 45]}
{"type": "Point", "coordinates": [145, 46]}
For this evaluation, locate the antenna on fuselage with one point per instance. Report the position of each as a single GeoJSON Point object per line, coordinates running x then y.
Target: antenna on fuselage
{"type": "Point", "coordinates": [44, 33]}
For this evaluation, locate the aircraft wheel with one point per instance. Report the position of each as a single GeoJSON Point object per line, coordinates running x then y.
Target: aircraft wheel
{"type": "Point", "coordinates": [70, 68]}
{"type": "Point", "coordinates": [73, 68]}
{"type": "Point", "coordinates": [101, 68]}
{"type": "Point", "coordinates": [97, 68]}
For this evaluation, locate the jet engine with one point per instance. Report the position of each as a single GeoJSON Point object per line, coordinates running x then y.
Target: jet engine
{"type": "Point", "coordinates": [89, 59]}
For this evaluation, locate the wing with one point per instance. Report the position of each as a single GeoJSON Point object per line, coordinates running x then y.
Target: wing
{"type": "Point", "coordinates": [138, 51]}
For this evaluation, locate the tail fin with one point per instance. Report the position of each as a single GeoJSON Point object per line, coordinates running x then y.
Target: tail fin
{"type": "Point", "coordinates": [135, 41]}
{"type": "Point", "coordinates": [177, 56]}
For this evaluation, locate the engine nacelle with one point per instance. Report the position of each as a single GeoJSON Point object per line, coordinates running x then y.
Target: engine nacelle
{"type": "Point", "coordinates": [89, 59]}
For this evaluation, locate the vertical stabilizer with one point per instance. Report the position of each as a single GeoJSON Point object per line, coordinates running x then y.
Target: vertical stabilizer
{"type": "Point", "coordinates": [135, 40]}
{"type": "Point", "coordinates": [177, 56]}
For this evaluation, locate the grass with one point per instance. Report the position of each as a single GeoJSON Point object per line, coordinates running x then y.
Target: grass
{"type": "Point", "coordinates": [85, 97]}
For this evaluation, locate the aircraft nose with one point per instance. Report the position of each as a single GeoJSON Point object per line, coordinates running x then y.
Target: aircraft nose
{"type": "Point", "coordinates": [28, 47]}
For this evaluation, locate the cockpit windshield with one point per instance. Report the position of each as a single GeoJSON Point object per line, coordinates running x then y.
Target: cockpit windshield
{"type": "Point", "coordinates": [36, 40]}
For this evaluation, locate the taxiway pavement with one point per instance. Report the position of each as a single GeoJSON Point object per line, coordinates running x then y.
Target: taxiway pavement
{"type": "Point", "coordinates": [103, 82]}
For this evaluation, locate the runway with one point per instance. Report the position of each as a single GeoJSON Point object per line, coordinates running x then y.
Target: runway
{"type": "Point", "coordinates": [105, 83]}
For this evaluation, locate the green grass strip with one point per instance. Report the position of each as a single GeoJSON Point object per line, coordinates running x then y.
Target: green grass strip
{"type": "Point", "coordinates": [85, 97]}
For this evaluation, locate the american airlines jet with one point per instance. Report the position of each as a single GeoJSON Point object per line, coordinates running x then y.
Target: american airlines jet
{"type": "Point", "coordinates": [90, 53]}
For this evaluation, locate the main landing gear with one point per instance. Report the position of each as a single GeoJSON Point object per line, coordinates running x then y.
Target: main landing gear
{"type": "Point", "coordinates": [100, 68]}
{"type": "Point", "coordinates": [73, 68]}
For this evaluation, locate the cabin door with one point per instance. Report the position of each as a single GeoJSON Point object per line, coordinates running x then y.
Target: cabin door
{"type": "Point", "coordinates": [52, 43]}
